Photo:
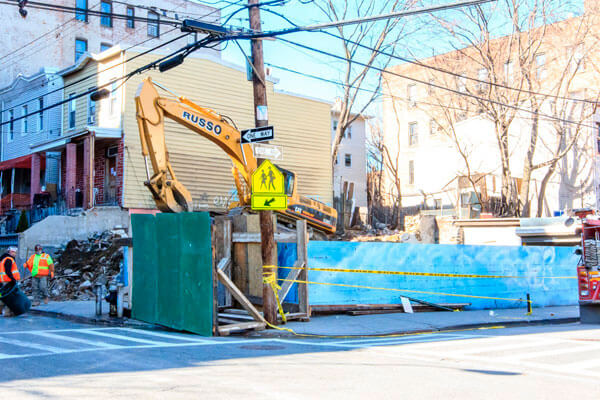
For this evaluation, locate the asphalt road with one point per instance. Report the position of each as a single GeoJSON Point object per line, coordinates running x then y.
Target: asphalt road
{"type": "Point", "coordinates": [53, 359]}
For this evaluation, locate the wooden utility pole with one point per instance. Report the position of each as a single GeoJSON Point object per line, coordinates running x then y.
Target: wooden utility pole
{"type": "Point", "coordinates": [267, 236]}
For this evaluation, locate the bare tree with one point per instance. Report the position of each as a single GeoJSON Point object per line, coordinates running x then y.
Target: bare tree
{"type": "Point", "coordinates": [518, 69]}
{"type": "Point", "coordinates": [379, 36]}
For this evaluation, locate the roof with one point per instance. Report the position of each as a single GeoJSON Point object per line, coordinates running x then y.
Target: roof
{"type": "Point", "coordinates": [87, 57]}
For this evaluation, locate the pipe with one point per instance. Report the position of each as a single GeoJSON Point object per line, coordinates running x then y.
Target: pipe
{"type": "Point", "coordinates": [98, 292]}
{"type": "Point", "coordinates": [120, 292]}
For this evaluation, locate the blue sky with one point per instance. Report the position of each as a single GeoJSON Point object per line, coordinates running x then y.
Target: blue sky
{"type": "Point", "coordinates": [425, 40]}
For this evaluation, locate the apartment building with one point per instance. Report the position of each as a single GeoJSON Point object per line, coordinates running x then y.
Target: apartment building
{"type": "Point", "coordinates": [448, 143]}
{"type": "Point", "coordinates": [54, 38]}
{"type": "Point", "coordinates": [351, 163]}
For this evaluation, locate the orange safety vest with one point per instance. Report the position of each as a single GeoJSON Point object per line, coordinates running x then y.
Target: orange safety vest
{"type": "Point", "coordinates": [39, 265]}
{"type": "Point", "coordinates": [15, 271]}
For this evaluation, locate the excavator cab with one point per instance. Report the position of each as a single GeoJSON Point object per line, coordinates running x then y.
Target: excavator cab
{"type": "Point", "coordinates": [289, 181]}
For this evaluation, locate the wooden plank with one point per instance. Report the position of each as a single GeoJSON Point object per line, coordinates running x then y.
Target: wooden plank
{"type": "Point", "coordinates": [239, 296]}
{"type": "Point", "coordinates": [250, 237]}
{"type": "Point", "coordinates": [225, 321]}
{"type": "Point", "coordinates": [341, 308]}
{"type": "Point", "coordinates": [291, 276]}
{"type": "Point", "coordinates": [291, 316]}
{"type": "Point", "coordinates": [224, 264]}
{"type": "Point", "coordinates": [240, 256]}
{"type": "Point", "coordinates": [235, 316]}
{"type": "Point", "coordinates": [235, 311]}
{"type": "Point", "coordinates": [227, 329]}
{"type": "Point", "coordinates": [302, 250]}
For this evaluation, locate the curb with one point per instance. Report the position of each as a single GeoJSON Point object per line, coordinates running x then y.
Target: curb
{"type": "Point", "coordinates": [107, 321]}
{"type": "Point", "coordinates": [273, 333]}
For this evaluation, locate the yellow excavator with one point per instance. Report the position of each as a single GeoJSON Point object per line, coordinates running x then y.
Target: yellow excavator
{"type": "Point", "coordinates": [170, 194]}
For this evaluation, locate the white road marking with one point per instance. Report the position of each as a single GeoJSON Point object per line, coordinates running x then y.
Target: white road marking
{"type": "Point", "coordinates": [547, 353]}
{"type": "Point", "coordinates": [72, 339]}
{"type": "Point", "coordinates": [177, 336]}
{"type": "Point", "coordinates": [121, 337]}
{"type": "Point", "coordinates": [31, 345]}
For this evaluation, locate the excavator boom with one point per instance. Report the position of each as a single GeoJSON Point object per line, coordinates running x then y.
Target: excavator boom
{"type": "Point", "coordinates": [170, 195]}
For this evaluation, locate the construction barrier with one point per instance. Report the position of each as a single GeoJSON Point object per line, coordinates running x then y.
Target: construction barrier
{"type": "Point", "coordinates": [345, 273]}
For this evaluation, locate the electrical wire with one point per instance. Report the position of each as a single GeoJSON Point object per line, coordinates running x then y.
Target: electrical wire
{"type": "Point", "coordinates": [431, 84]}
{"type": "Point", "coordinates": [185, 50]}
{"type": "Point", "coordinates": [437, 69]}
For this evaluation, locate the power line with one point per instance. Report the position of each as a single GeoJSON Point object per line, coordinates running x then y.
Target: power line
{"type": "Point", "coordinates": [382, 70]}
{"type": "Point", "coordinates": [438, 69]}
{"type": "Point", "coordinates": [100, 72]}
{"type": "Point", "coordinates": [113, 66]}
{"type": "Point", "coordinates": [201, 43]}
{"type": "Point", "coordinates": [378, 91]}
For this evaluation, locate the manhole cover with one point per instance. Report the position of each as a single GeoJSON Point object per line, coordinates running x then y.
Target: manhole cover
{"type": "Point", "coordinates": [261, 347]}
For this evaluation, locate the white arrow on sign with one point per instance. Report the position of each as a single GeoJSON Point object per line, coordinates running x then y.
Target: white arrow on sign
{"type": "Point", "coordinates": [258, 134]}
{"type": "Point", "coordinates": [270, 151]}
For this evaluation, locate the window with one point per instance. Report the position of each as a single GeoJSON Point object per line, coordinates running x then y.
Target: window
{"type": "Point", "coordinates": [411, 94]}
{"type": "Point", "coordinates": [348, 132]}
{"type": "Point", "coordinates": [106, 16]}
{"type": "Point", "coordinates": [577, 59]}
{"type": "Point", "coordinates": [335, 125]}
{"type": "Point", "coordinates": [80, 48]}
{"type": "Point", "coordinates": [540, 62]}
{"type": "Point", "coordinates": [40, 114]}
{"type": "Point", "coordinates": [348, 160]}
{"type": "Point", "coordinates": [11, 125]}
{"type": "Point", "coordinates": [72, 110]}
{"type": "Point", "coordinates": [434, 127]}
{"type": "Point", "coordinates": [24, 120]}
{"type": "Point", "coordinates": [81, 12]}
{"type": "Point", "coordinates": [483, 76]}
{"type": "Point", "coordinates": [413, 134]}
{"type": "Point", "coordinates": [437, 203]}
{"type": "Point", "coordinates": [508, 71]}
{"type": "Point", "coordinates": [113, 99]}
{"type": "Point", "coordinates": [130, 17]}
{"type": "Point", "coordinates": [411, 172]}
{"type": "Point", "coordinates": [461, 84]}
{"type": "Point", "coordinates": [431, 87]}
{"type": "Point", "coordinates": [91, 119]}
{"type": "Point", "coordinates": [153, 25]}
{"type": "Point", "coordinates": [105, 46]}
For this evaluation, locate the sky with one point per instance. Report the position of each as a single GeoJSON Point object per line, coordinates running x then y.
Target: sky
{"type": "Point", "coordinates": [426, 38]}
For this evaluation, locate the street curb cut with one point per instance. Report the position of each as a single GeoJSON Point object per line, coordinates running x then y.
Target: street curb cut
{"type": "Point", "coordinates": [272, 333]}
{"type": "Point", "coordinates": [108, 322]}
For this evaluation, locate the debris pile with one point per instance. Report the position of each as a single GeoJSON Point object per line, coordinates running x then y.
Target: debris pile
{"type": "Point", "coordinates": [83, 263]}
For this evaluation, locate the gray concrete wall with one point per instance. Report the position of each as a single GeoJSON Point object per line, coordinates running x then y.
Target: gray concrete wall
{"type": "Point", "coordinates": [57, 230]}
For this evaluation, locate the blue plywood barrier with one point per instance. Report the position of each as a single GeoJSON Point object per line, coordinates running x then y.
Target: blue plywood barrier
{"type": "Point", "coordinates": [539, 269]}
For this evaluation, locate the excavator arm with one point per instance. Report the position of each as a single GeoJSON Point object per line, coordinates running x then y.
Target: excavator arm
{"type": "Point", "coordinates": [169, 194]}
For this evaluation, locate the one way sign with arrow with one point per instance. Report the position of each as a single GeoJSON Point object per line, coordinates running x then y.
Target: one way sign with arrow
{"type": "Point", "coordinates": [258, 134]}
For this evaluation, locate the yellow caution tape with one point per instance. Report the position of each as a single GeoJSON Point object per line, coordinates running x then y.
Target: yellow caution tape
{"type": "Point", "coordinates": [270, 279]}
{"type": "Point", "coordinates": [403, 290]}
{"type": "Point", "coordinates": [406, 273]}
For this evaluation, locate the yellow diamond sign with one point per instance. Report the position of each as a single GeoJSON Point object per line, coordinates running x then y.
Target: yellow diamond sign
{"type": "Point", "coordinates": [268, 188]}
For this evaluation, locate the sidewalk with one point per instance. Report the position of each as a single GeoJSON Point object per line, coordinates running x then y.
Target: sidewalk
{"type": "Point", "coordinates": [85, 312]}
{"type": "Point", "coordinates": [398, 323]}
{"type": "Point", "coordinates": [342, 325]}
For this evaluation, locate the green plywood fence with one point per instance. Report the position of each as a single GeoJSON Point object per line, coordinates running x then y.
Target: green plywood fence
{"type": "Point", "coordinates": [172, 283]}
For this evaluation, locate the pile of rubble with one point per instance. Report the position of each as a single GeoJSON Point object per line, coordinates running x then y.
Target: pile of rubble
{"type": "Point", "coordinates": [83, 263]}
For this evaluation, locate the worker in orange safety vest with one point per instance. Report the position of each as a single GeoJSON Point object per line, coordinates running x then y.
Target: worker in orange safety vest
{"type": "Point", "coordinates": [8, 273]}
{"type": "Point", "coordinates": [41, 266]}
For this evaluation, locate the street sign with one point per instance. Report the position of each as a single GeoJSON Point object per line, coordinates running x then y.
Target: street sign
{"type": "Point", "coordinates": [274, 202]}
{"type": "Point", "coordinates": [270, 151]}
{"type": "Point", "coordinates": [258, 134]}
{"type": "Point", "coordinates": [268, 188]}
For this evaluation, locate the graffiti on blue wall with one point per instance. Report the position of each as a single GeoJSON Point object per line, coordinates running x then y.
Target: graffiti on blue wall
{"type": "Point", "coordinates": [546, 273]}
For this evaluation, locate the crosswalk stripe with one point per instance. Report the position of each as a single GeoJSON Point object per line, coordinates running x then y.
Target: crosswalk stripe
{"type": "Point", "coordinates": [31, 345]}
{"type": "Point", "coordinates": [163, 335]}
{"type": "Point", "coordinates": [73, 339]}
{"type": "Point", "coordinates": [583, 365]}
{"type": "Point", "coordinates": [121, 337]}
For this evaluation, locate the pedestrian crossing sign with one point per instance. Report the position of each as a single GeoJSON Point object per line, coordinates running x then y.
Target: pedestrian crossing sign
{"type": "Point", "coordinates": [268, 188]}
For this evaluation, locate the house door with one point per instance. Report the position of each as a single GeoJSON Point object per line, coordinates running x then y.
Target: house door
{"type": "Point", "coordinates": [110, 181]}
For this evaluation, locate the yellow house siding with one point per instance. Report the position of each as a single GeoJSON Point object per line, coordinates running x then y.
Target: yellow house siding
{"type": "Point", "coordinates": [81, 103]}
{"type": "Point", "coordinates": [301, 127]}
